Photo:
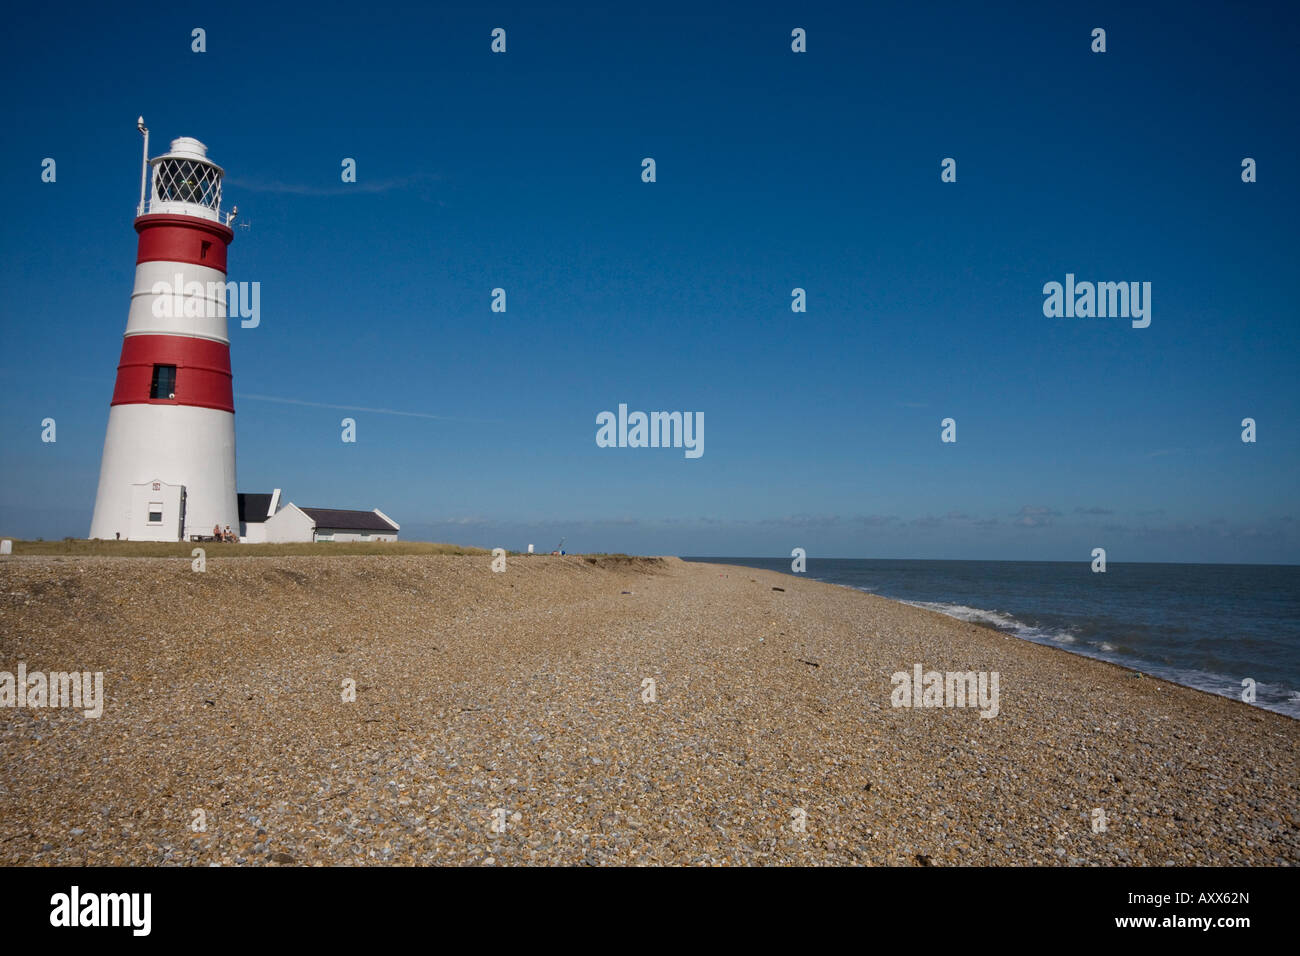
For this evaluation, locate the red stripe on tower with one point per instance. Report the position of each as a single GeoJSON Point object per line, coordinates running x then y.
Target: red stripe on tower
{"type": "Point", "coordinates": [202, 377]}
{"type": "Point", "coordinates": [198, 242]}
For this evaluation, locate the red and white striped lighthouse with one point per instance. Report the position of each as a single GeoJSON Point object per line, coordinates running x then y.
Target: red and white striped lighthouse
{"type": "Point", "coordinates": [168, 469]}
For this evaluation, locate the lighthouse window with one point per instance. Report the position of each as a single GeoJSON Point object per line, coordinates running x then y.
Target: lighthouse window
{"type": "Point", "coordinates": [155, 512]}
{"type": "Point", "coordinates": [164, 382]}
{"type": "Point", "coordinates": [183, 180]}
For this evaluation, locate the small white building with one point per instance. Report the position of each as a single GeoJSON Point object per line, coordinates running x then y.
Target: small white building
{"type": "Point", "coordinates": [292, 523]}
{"type": "Point", "coordinates": [156, 512]}
{"type": "Point", "coordinates": [254, 510]}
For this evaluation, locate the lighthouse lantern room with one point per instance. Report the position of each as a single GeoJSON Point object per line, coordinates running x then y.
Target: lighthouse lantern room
{"type": "Point", "coordinates": [168, 470]}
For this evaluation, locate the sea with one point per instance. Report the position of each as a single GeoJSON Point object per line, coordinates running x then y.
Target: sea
{"type": "Point", "coordinates": [1208, 626]}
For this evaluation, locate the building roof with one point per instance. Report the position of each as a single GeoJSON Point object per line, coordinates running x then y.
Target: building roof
{"type": "Point", "coordinates": [254, 507]}
{"type": "Point", "coordinates": [348, 520]}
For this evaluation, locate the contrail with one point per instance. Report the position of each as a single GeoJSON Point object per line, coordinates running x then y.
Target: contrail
{"type": "Point", "coordinates": [337, 189]}
{"type": "Point", "coordinates": [361, 408]}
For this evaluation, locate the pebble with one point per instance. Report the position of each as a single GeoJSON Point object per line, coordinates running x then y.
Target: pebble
{"type": "Point", "coordinates": [523, 691]}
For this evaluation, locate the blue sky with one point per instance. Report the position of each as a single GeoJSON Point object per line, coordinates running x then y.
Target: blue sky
{"type": "Point", "coordinates": [774, 170]}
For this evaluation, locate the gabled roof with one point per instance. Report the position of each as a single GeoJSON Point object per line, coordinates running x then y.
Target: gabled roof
{"type": "Point", "coordinates": [327, 518]}
{"type": "Point", "coordinates": [254, 507]}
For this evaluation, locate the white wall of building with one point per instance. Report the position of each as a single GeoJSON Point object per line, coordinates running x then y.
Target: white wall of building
{"type": "Point", "coordinates": [156, 511]}
{"type": "Point", "coordinates": [176, 444]}
{"type": "Point", "coordinates": [327, 534]}
{"type": "Point", "coordinates": [289, 524]}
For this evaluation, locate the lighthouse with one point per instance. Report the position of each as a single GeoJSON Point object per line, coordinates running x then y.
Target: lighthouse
{"type": "Point", "coordinates": [168, 470]}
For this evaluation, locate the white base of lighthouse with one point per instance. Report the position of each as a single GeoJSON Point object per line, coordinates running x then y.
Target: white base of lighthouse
{"type": "Point", "coordinates": [187, 452]}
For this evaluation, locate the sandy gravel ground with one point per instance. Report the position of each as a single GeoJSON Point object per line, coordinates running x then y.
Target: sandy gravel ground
{"type": "Point", "coordinates": [515, 700]}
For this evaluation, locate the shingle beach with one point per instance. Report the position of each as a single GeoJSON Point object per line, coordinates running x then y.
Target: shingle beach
{"type": "Point", "coordinates": [519, 702]}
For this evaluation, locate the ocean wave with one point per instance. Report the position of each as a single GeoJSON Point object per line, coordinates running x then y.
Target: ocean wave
{"type": "Point", "coordinates": [999, 620]}
{"type": "Point", "coordinates": [964, 612]}
{"type": "Point", "coordinates": [1275, 697]}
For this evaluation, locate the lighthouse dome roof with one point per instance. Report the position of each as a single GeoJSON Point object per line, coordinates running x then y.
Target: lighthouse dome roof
{"type": "Point", "coordinates": [189, 147]}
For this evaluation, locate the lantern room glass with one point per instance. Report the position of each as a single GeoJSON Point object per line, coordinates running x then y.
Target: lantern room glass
{"type": "Point", "coordinates": [189, 181]}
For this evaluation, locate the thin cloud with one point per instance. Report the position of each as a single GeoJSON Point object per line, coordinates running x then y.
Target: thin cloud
{"type": "Point", "coordinates": [1034, 516]}
{"type": "Point", "coordinates": [875, 521]}
{"type": "Point", "coordinates": [804, 521]}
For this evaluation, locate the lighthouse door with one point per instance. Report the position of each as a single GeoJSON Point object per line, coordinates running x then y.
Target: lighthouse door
{"type": "Point", "coordinates": [180, 531]}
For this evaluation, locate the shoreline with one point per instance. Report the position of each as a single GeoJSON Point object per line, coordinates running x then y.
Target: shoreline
{"type": "Point", "coordinates": [524, 691]}
{"type": "Point", "coordinates": [1129, 661]}
{"type": "Point", "coordinates": [1130, 671]}
{"type": "Point", "coordinates": [1126, 671]}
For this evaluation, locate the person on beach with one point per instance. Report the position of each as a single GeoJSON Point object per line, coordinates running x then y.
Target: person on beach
{"type": "Point", "coordinates": [216, 532]}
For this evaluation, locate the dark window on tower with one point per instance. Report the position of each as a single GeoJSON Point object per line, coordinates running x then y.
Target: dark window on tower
{"type": "Point", "coordinates": [164, 382]}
